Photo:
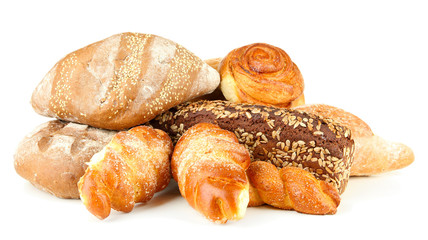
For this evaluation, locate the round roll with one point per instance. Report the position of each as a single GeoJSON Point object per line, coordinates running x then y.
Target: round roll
{"type": "Point", "coordinates": [263, 74]}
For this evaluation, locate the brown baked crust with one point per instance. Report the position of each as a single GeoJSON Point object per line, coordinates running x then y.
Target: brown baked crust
{"type": "Point", "coordinates": [122, 81]}
{"type": "Point", "coordinates": [373, 154]}
{"type": "Point", "coordinates": [269, 188]}
{"type": "Point", "coordinates": [277, 135]}
{"type": "Point", "coordinates": [376, 155]}
{"type": "Point", "coordinates": [130, 169]}
{"type": "Point", "coordinates": [358, 127]}
{"type": "Point", "coordinates": [291, 188]}
{"type": "Point", "coordinates": [209, 166]}
{"type": "Point", "coordinates": [214, 62]}
{"type": "Point", "coordinates": [262, 74]}
{"type": "Point", "coordinates": [53, 157]}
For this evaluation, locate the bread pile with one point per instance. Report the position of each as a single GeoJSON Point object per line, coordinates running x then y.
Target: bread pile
{"type": "Point", "coordinates": [135, 110]}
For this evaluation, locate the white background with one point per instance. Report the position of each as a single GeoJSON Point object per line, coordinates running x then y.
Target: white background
{"type": "Point", "coordinates": [368, 57]}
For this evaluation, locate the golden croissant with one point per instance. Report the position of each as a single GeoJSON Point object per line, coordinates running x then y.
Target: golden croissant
{"type": "Point", "coordinates": [209, 165]}
{"type": "Point", "coordinates": [129, 170]}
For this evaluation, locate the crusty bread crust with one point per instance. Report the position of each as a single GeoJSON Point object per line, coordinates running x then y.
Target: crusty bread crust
{"type": "Point", "coordinates": [122, 81]}
{"type": "Point", "coordinates": [53, 157]}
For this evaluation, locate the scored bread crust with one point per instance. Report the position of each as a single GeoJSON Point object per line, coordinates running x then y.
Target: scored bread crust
{"type": "Point", "coordinates": [53, 157]}
{"type": "Point", "coordinates": [280, 136]}
{"type": "Point", "coordinates": [122, 81]}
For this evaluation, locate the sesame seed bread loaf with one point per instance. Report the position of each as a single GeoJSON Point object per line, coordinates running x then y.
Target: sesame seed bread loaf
{"type": "Point", "coordinates": [277, 135]}
{"type": "Point", "coordinates": [53, 156]}
{"type": "Point", "coordinates": [122, 81]}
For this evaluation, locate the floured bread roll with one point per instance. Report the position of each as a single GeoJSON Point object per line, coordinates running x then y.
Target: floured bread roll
{"type": "Point", "coordinates": [53, 157]}
{"type": "Point", "coordinates": [122, 81]}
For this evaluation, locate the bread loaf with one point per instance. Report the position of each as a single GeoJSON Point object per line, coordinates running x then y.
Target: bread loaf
{"type": "Point", "coordinates": [122, 81]}
{"type": "Point", "coordinates": [53, 157]}
{"type": "Point", "coordinates": [277, 135]}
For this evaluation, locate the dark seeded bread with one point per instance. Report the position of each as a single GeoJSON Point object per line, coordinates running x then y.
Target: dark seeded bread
{"type": "Point", "coordinates": [280, 136]}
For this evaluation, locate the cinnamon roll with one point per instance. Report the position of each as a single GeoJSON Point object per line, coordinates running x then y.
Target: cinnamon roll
{"type": "Point", "coordinates": [263, 74]}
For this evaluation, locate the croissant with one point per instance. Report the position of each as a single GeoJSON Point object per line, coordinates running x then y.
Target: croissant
{"type": "Point", "coordinates": [373, 154]}
{"type": "Point", "coordinates": [290, 188]}
{"type": "Point", "coordinates": [130, 169]}
{"type": "Point", "coordinates": [262, 74]}
{"type": "Point", "coordinates": [209, 165]}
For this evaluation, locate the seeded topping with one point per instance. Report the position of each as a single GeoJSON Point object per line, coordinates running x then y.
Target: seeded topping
{"type": "Point", "coordinates": [122, 81]}
{"type": "Point", "coordinates": [280, 136]}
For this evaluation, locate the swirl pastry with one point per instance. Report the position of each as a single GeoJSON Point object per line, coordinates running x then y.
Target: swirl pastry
{"type": "Point", "coordinates": [263, 74]}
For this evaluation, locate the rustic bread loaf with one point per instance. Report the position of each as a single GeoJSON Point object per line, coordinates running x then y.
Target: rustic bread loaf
{"type": "Point", "coordinates": [122, 81]}
{"type": "Point", "coordinates": [280, 136]}
{"type": "Point", "coordinates": [53, 156]}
